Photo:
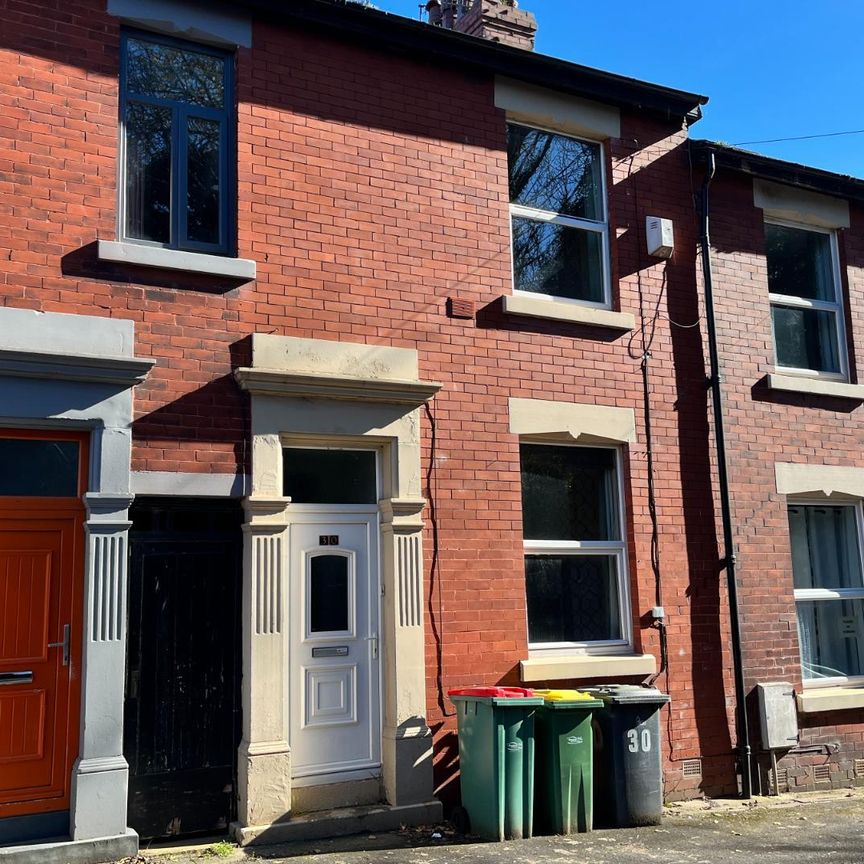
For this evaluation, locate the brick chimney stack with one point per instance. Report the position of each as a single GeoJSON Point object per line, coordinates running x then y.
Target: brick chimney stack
{"type": "Point", "coordinates": [497, 20]}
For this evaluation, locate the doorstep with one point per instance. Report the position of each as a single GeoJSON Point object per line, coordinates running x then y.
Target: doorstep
{"type": "Point", "coordinates": [99, 850]}
{"type": "Point", "coordinates": [338, 823]}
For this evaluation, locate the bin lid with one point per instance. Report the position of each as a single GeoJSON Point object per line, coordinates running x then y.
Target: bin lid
{"type": "Point", "coordinates": [584, 700]}
{"type": "Point", "coordinates": [493, 692]}
{"type": "Point", "coordinates": [628, 694]}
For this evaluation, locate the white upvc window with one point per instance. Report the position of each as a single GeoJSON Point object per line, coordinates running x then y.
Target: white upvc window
{"type": "Point", "coordinates": [560, 232]}
{"type": "Point", "coordinates": [826, 541]}
{"type": "Point", "coordinates": [575, 553]}
{"type": "Point", "coordinates": [806, 300]}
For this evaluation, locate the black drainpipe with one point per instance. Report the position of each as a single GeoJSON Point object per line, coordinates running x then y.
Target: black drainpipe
{"type": "Point", "coordinates": [728, 562]}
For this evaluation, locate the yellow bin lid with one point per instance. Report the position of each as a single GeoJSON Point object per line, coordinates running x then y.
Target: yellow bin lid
{"type": "Point", "coordinates": [564, 695]}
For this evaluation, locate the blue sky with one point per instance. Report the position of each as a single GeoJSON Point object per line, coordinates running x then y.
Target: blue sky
{"type": "Point", "coordinates": [772, 68]}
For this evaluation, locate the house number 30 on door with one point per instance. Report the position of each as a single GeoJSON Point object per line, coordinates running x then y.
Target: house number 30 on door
{"type": "Point", "coordinates": [638, 739]}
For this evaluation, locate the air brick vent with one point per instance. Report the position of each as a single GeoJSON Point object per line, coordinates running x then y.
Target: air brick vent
{"type": "Point", "coordinates": [691, 768]}
{"type": "Point", "coordinates": [780, 783]}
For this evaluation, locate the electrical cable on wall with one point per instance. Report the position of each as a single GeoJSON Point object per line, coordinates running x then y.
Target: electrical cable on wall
{"type": "Point", "coordinates": [436, 616]}
{"type": "Point", "coordinates": [644, 365]}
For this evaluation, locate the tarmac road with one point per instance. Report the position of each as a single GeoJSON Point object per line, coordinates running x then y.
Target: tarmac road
{"type": "Point", "coordinates": [823, 828]}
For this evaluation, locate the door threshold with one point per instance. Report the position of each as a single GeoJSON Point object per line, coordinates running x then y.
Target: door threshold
{"type": "Point", "coordinates": [338, 823]}
{"type": "Point", "coordinates": [185, 845]}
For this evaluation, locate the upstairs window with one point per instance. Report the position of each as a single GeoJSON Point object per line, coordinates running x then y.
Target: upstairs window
{"type": "Point", "coordinates": [804, 291]}
{"type": "Point", "coordinates": [575, 570]}
{"type": "Point", "coordinates": [558, 213]}
{"type": "Point", "coordinates": [176, 109]}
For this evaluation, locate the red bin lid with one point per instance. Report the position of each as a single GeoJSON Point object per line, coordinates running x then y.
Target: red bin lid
{"type": "Point", "coordinates": [493, 692]}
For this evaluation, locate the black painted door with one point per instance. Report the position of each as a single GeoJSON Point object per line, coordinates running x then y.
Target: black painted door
{"type": "Point", "coordinates": [182, 717]}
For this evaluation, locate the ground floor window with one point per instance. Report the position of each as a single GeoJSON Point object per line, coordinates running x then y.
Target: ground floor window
{"type": "Point", "coordinates": [829, 589]}
{"type": "Point", "coordinates": [575, 569]}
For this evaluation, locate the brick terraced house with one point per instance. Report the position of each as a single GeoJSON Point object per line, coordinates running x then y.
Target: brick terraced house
{"type": "Point", "coordinates": [786, 249]}
{"type": "Point", "coordinates": [339, 366]}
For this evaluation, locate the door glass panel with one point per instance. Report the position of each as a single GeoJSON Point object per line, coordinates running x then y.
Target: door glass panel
{"type": "Point", "coordinates": [329, 476]}
{"type": "Point", "coordinates": [328, 593]}
{"type": "Point", "coordinates": [38, 468]}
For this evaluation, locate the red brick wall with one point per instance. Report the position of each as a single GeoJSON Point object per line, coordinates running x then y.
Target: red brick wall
{"type": "Point", "coordinates": [370, 189]}
{"type": "Point", "coordinates": [764, 428]}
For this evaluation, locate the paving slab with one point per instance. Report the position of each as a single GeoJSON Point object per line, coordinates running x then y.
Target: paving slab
{"type": "Point", "coordinates": [828, 828]}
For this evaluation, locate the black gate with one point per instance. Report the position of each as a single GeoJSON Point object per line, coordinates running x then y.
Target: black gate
{"type": "Point", "coordinates": [182, 713]}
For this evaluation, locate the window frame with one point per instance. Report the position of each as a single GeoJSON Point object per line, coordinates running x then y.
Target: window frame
{"type": "Point", "coordinates": [181, 112]}
{"type": "Point", "coordinates": [792, 302]}
{"type": "Point", "coordinates": [551, 216]}
{"type": "Point", "coordinates": [574, 548]}
{"type": "Point", "coordinates": [816, 594]}
{"type": "Point", "coordinates": [289, 443]}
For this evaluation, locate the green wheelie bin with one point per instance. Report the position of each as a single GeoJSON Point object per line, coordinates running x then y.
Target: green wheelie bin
{"type": "Point", "coordinates": [496, 759]}
{"type": "Point", "coordinates": [565, 762]}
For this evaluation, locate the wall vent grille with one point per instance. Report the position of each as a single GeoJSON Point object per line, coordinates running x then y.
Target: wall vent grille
{"type": "Point", "coordinates": [859, 767]}
{"type": "Point", "coordinates": [822, 773]}
{"type": "Point", "coordinates": [692, 768]}
{"type": "Point", "coordinates": [780, 783]}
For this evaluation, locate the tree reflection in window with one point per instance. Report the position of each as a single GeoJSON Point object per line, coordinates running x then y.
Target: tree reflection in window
{"type": "Point", "coordinates": [177, 100]}
{"type": "Point", "coordinates": [558, 214]}
{"type": "Point", "coordinates": [554, 173]}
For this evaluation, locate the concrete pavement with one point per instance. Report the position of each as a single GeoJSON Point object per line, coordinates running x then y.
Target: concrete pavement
{"type": "Point", "coordinates": [824, 827]}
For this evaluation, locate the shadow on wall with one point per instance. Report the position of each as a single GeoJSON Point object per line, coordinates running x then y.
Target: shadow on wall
{"type": "Point", "coordinates": [705, 644]}
{"type": "Point", "coordinates": [216, 412]}
{"type": "Point", "coordinates": [493, 317]}
{"type": "Point", "coordinates": [83, 263]}
{"type": "Point", "coordinates": [761, 393]}
{"type": "Point", "coordinates": [291, 69]}
{"type": "Point", "coordinates": [445, 765]}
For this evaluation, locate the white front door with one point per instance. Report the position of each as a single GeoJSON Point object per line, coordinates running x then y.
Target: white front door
{"type": "Point", "coordinates": [334, 686]}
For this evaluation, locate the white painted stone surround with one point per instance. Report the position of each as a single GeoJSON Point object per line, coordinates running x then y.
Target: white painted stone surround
{"type": "Point", "coordinates": [83, 380]}
{"type": "Point", "coordinates": [388, 420]}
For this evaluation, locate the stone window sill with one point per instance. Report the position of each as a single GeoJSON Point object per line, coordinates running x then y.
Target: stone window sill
{"type": "Point", "coordinates": [561, 668]}
{"type": "Point", "coordinates": [816, 386]}
{"type": "Point", "coordinates": [830, 699]}
{"type": "Point", "coordinates": [173, 259]}
{"type": "Point", "coordinates": [561, 310]}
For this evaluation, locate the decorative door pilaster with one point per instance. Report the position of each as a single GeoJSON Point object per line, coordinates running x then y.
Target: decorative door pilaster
{"type": "Point", "coordinates": [264, 766]}
{"type": "Point", "coordinates": [101, 775]}
{"type": "Point", "coordinates": [407, 740]}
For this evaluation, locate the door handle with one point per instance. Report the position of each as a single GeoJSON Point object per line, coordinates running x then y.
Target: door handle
{"type": "Point", "coordinates": [16, 678]}
{"type": "Point", "coordinates": [64, 644]}
{"type": "Point", "coordinates": [373, 639]}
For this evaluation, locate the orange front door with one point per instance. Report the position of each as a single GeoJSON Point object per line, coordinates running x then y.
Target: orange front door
{"type": "Point", "coordinates": [41, 576]}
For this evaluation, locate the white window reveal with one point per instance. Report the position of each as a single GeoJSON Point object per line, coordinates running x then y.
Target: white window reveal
{"type": "Point", "coordinates": [575, 564]}
{"type": "Point", "coordinates": [829, 590]}
{"type": "Point", "coordinates": [805, 295]}
{"type": "Point", "coordinates": [558, 213]}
